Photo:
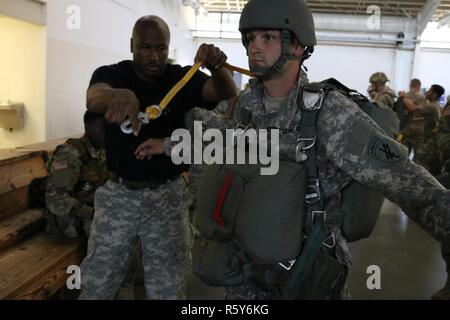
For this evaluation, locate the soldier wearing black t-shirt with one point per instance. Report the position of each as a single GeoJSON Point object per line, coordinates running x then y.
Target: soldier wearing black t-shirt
{"type": "Point", "coordinates": [145, 199]}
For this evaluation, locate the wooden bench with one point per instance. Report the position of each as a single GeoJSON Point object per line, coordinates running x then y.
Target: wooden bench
{"type": "Point", "coordinates": [32, 265]}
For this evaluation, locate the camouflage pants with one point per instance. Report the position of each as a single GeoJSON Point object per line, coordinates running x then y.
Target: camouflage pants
{"type": "Point", "coordinates": [159, 219]}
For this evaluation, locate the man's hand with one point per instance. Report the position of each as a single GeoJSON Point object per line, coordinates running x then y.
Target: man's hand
{"type": "Point", "coordinates": [124, 104]}
{"type": "Point", "coordinates": [221, 86]}
{"type": "Point", "coordinates": [401, 94]}
{"type": "Point", "coordinates": [211, 57]}
{"type": "Point", "coordinates": [149, 148]}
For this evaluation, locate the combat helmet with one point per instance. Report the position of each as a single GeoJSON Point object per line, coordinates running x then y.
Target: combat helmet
{"type": "Point", "coordinates": [378, 77]}
{"type": "Point", "coordinates": [289, 16]}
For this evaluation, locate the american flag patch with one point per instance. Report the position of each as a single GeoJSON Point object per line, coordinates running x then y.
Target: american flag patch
{"type": "Point", "coordinates": [60, 165]}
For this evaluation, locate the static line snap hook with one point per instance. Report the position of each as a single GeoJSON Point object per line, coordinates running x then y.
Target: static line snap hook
{"type": "Point", "coordinates": [154, 112]}
{"type": "Point", "coordinates": [126, 125]}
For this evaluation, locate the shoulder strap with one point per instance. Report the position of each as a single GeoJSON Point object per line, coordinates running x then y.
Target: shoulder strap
{"type": "Point", "coordinates": [310, 100]}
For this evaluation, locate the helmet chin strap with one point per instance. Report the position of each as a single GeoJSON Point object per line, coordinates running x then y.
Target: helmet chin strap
{"type": "Point", "coordinates": [268, 73]}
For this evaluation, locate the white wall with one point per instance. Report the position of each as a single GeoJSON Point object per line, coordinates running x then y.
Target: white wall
{"type": "Point", "coordinates": [104, 38]}
{"type": "Point", "coordinates": [352, 65]}
{"type": "Point", "coordinates": [433, 67]}
{"type": "Point", "coordinates": [27, 10]}
{"type": "Point", "coordinates": [22, 78]}
{"type": "Point", "coordinates": [350, 52]}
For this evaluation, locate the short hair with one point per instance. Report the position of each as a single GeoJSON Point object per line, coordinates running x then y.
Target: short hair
{"type": "Point", "coordinates": [439, 90]}
{"type": "Point", "coordinates": [90, 116]}
{"type": "Point", "coordinates": [415, 83]}
{"type": "Point", "coordinates": [151, 22]}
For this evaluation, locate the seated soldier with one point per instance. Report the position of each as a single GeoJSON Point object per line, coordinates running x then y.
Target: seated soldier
{"type": "Point", "coordinates": [76, 169]}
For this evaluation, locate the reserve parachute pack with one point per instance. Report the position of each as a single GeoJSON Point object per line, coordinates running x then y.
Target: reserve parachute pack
{"type": "Point", "coordinates": [273, 229]}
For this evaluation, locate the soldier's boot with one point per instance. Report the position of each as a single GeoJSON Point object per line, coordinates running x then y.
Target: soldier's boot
{"type": "Point", "coordinates": [444, 293]}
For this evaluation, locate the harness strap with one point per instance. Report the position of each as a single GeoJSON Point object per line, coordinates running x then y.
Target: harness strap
{"type": "Point", "coordinates": [306, 260]}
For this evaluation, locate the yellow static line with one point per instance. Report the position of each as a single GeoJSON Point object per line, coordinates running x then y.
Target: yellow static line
{"type": "Point", "coordinates": [154, 112]}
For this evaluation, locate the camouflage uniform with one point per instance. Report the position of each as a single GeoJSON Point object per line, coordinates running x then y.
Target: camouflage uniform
{"type": "Point", "coordinates": [348, 148]}
{"type": "Point", "coordinates": [443, 143]}
{"type": "Point", "coordinates": [416, 98]}
{"type": "Point", "coordinates": [76, 170]}
{"type": "Point", "coordinates": [421, 134]}
{"type": "Point", "coordinates": [426, 151]}
{"type": "Point", "coordinates": [121, 217]}
{"type": "Point", "coordinates": [385, 97]}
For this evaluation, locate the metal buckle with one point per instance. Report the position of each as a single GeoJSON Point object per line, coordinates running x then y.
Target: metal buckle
{"type": "Point", "coordinates": [323, 214]}
{"type": "Point", "coordinates": [333, 241]}
{"type": "Point", "coordinates": [289, 267]}
{"type": "Point", "coordinates": [314, 196]}
{"type": "Point", "coordinates": [317, 103]}
{"type": "Point", "coordinates": [303, 146]}
{"type": "Point", "coordinates": [308, 146]}
{"type": "Point", "coordinates": [244, 129]}
{"type": "Point", "coordinates": [126, 125]}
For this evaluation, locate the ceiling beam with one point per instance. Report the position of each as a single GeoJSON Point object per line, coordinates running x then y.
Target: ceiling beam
{"type": "Point", "coordinates": [424, 16]}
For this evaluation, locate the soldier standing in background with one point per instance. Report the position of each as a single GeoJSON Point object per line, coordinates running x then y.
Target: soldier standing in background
{"type": "Point", "coordinates": [381, 93]}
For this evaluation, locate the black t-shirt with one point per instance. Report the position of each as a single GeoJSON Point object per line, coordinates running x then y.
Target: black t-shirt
{"type": "Point", "coordinates": [120, 147]}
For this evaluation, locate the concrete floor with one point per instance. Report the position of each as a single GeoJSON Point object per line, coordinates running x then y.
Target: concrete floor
{"type": "Point", "coordinates": [410, 262]}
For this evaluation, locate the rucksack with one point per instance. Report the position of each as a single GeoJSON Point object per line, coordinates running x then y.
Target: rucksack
{"type": "Point", "coordinates": [361, 204]}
